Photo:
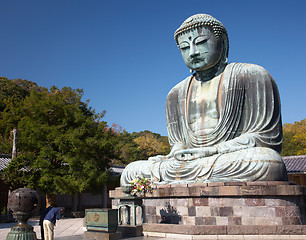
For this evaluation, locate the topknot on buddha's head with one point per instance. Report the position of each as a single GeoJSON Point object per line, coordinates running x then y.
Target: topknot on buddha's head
{"type": "Point", "coordinates": [201, 20]}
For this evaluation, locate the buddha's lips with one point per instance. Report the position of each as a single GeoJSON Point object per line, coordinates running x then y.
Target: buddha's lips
{"type": "Point", "coordinates": [197, 60]}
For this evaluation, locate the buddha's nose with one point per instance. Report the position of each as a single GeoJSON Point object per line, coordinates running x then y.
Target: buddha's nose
{"type": "Point", "coordinates": [193, 52]}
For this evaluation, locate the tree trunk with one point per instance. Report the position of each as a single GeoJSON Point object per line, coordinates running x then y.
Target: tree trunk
{"type": "Point", "coordinates": [104, 196]}
{"type": "Point", "coordinates": [75, 202]}
{"type": "Point", "coordinates": [37, 211]}
{"type": "Point", "coordinates": [50, 199]}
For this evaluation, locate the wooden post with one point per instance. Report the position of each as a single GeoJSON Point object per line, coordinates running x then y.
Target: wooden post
{"type": "Point", "coordinates": [14, 151]}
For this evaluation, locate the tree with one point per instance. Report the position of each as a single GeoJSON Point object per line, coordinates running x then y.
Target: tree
{"type": "Point", "coordinates": [149, 145]}
{"type": "Point", "coordinates": [9, 90]}
{"type": "Point", "coordinates": [63, 144]}
{"type": "Point", "coordinates": [294, 140]}
{"type": "Point", "coordinates": [14, 90]}
{"type": "Point", "coordinates": [64, 147]}
{"type": "Point", "coordinates": [142, 145]}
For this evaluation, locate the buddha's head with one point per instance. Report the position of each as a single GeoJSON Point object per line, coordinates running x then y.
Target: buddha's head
{"type": "Point", "coordinates": [203, 42]}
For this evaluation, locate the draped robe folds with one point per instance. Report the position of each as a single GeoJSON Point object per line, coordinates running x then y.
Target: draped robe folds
{"type": "Point", "coordinates": [248, 134]}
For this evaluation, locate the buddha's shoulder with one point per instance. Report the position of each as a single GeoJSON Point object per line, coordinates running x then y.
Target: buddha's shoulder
{"type": "Point", "coordinates": [179, 87]}
{"type": "Point", "coordinates": [247, 68]}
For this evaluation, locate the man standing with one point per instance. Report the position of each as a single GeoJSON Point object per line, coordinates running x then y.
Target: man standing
{"type": "Point", "coordinates": [42, 217]}
{"type": "Point", "coordinates": [50, 220]}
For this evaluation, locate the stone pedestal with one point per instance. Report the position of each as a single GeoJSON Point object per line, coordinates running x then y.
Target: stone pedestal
{"type": "Point", "coordinates": [101, 223]}
{"type": "Point", "coordinates": [131, 215]}
{"type": "Point", "coordinates": [129, 205]}
{"type": "Point", "coordinates": [101, 219]}
{"type": "Point", "coordinates": [232, 208]}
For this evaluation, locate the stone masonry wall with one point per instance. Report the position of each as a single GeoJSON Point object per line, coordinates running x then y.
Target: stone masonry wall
{"type": "Point", "coordinates": [226, 211]}
{"type": "Point", "coordinates": [225, 204]}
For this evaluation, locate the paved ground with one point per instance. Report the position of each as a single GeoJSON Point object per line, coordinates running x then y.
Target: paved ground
{"type": "Point", "coordinates": [72, 229]}
{"type": "Point", "coordinates": [65, 229]}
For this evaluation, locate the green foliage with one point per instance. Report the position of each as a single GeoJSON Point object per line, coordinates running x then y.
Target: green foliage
{"type": "Point", "coordinates": [4, 211]}
{"type": "Point", "coordinates": [9, 90]}
{"type": "Point", "coordinates": [63, 146]}
{"type": "Point", "coordinates": [142, 145]}
{"type": "Point", "coordinates": [6, 143]}
{"type": "Point", "coordinates": [294, 140]}
{"type": "Point", "coordinates": [16, 89]}
{"type": "Point", "coordinates": [12, 91]}
{"type": "Point", "coordinates": [29, 85]}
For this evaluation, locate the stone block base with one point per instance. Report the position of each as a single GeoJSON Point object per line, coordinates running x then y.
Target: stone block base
{"type": "Point", "coordinates": [95, 235]}
{"type": "Point", "coordinates": [225, 230]}
{"type": "Point", "coordinates": [156, 235]}
{"type": "Point", "coordinates": [130, 231]}
{"type": "Point", "coordinates": [230, 208]}
{"type": "Point", "coordinates": [226, 204]}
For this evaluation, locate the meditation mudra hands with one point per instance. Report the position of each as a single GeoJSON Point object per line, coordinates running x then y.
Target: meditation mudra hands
{"type": "Point", "coordinates": [180, 153]}
{"type": "Point", "coordinates": [195, 153]}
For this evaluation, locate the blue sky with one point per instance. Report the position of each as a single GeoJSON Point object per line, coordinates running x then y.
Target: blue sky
{"type": "Point", "coordinates": [123, 55]}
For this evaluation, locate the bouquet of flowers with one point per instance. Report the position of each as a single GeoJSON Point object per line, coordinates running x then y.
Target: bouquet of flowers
{"type": "Point", "coordinates": [141, 185]}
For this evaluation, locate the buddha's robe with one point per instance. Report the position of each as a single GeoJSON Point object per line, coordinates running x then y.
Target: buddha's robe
{"type": "Point", "coordinates": [247, 134]}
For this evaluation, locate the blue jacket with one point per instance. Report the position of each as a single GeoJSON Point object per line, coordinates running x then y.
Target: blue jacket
{"type": "Point", "coordinates": [53, 215]}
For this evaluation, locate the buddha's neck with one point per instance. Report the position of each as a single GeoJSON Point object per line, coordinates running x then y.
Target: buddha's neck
{"type": "Point", "coordinates": [210, 73]}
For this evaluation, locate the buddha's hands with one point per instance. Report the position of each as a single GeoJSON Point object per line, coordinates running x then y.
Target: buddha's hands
{"type": "Point", "coordinates": [176, 147]}
{"type": "Point", "coordinates": [158, 158]}
{"type": "Point", "coordinates": [195, 153]}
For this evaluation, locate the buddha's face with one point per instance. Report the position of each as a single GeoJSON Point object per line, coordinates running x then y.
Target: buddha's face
{"type": "Point", "coordinates": [200, 48]}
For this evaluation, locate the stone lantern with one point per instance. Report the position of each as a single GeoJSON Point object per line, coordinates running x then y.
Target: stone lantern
{"type": "Point", "coordinates": [22, 202]}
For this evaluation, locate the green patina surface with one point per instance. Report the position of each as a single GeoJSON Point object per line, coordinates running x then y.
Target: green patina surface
{"type": "Point", "coordinates": [101, 219]}
{"type": "Point", "coordinates": [21, 232]}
